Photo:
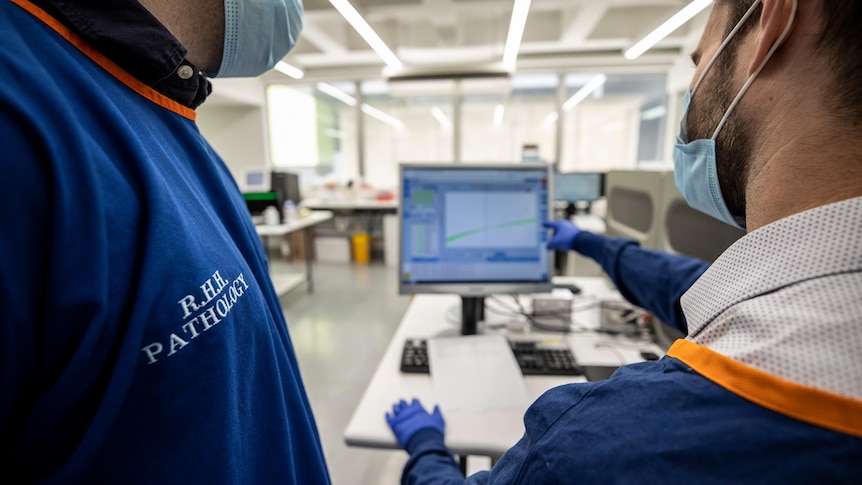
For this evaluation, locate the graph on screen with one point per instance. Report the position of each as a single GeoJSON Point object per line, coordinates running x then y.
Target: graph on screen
{"type": "Point", "coordinates": [490, 219]}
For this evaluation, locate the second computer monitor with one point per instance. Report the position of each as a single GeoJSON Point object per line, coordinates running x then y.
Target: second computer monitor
{"type": "Point", "coordinates": [574, 187]}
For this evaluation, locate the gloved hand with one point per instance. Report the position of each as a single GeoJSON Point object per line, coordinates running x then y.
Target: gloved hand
{"type": "Point", "coordinates": [406, 419]}
{"type": "Point", "coordinates": [563, 238]}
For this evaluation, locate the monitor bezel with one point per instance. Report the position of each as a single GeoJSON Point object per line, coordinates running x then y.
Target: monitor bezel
{"type": "Point", "coordinates": [471, 289]}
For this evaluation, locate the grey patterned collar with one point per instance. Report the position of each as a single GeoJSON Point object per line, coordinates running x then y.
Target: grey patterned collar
{"type": "Point", "coordinates": [819, 242]}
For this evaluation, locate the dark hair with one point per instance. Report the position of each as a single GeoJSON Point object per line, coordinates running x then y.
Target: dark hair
{"type": "Point", "coordinates": [840, 42]}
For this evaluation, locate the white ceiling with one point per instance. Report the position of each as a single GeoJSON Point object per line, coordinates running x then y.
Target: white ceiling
{"type": "Point", "coordinates": [560, 35]}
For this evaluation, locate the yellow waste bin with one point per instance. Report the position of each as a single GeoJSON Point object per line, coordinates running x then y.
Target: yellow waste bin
{"type": "Point", "coordinates": [361, 248]}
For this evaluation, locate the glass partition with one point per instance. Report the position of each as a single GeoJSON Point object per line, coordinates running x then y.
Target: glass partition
{"type": "Point", "coordinates": [610, 121]}
{"type": "Point", "coordinates": [311, 132]}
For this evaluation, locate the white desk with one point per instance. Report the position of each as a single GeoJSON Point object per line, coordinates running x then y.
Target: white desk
{"type": "Point", "coordinates": [286, 282]}
{"type": "Point", "coordinates": [489, 433]}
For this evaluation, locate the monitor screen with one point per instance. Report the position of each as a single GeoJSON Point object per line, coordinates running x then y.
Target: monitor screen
{"type": "Point", "coordinates": [474, 230]}
{"type": "Point", "coordinates": [255, 179]}
{"type": "Point", "coordinates": [578, 186]}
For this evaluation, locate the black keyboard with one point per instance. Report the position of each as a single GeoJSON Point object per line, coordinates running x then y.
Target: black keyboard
{"type": "Point", "coordinates": [534, 358]}
{"type": "Point", "coordinates": [414, 357]}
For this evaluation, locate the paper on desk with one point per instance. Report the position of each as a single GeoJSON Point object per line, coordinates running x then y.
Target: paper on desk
{"type": "Point", "coordinates": [476, 373]}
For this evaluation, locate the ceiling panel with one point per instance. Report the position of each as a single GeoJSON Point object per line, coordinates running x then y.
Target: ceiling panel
{"type": "Point", "coordinates": [428, 32]}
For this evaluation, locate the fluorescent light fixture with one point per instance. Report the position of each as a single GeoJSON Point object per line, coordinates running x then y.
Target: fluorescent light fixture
{"type": "Point", "coordinates": [595, 83]}
{"type": "Point", "coordinates": [441, 118]}
{"type": "Point", "coordinates": [498, 115]}
{"type": "Point", "coordinates": [337, 94]}
{"type": "Point", "coordinates": [653, 113]}
{"type": "Point", "coordinates": [551, 118]}
{"type": "Point", "coordinates": [291, 71]}
{"type": "Point", "coordinates": [380, 115]}
{"type": "Point", "coordinates": [516, 32]}
{"type": "Point", "coordinates": [351, 101]}
{"type": "Point", "coordinates": [666, 28]}
{"type": "Point", "coordinates": [352, 16]}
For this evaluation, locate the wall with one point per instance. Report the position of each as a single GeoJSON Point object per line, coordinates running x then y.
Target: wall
{"type": "Point", "coordinates": [233, 121]}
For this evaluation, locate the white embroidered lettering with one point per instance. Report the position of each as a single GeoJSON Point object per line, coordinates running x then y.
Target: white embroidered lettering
{"type": "Point", "coordinates": [221, 282]}
{"type": "Point", "coordinates": [176, 344]}
{"type": "Point", "coordinates": [152, 350]}
{"type": "Point", "coordinates": [212, 287]}
{"type": "Point", "coordinates": [209, 318]}
{"type": "Point", "coordinates": [189, 305]}
{"type": "Point", "coordinates": [209, 291]}
{"type": "Point", "coordinates": [191, 326]}
{"type": "Point", "coordinates": [241, 278]}
{"type": "Point", "coordinates": [222, 306]}
{"type": "Point", "coordinates": [209, 313]}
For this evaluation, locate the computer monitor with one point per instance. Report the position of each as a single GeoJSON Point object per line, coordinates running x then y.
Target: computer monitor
{"type": "Point", "coordinates": [286, 184]}
{"type": "Point", "coordinates": [576, 187]}
{"type": "Point", "coordinates": [255, 179]}
{"type": "Point", "coordinates": [474, 230]}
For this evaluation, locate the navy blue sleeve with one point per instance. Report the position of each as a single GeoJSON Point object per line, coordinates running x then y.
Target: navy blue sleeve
{"type": "Point", "coordinates": [430, 461]}
{"type": "Point", "coordinates": [653, 280]}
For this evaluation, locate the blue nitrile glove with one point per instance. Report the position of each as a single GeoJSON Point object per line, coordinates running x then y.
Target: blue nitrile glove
{"type": "Point", "coordinates": [563, 238]}
{"type": "Point", "coordinates": [406, 419]}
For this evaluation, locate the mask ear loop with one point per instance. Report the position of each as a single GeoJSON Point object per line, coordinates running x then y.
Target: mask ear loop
{"type": "Point", "coordinates": [723, 45]}
{"type": "Point", "coordinates": [751, 78]}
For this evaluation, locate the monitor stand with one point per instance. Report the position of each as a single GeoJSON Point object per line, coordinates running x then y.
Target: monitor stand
{"type": "Point", "coordinates": [472, 311]}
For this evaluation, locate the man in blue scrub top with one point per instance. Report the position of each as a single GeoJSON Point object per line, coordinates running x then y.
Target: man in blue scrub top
{"type": "Point", "coordinates": [766, 387]}
{"type": "Point", "coordinates": [141, 340]}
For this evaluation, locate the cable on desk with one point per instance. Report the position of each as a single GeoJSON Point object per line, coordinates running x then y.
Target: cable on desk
{"type": "Point", "coordinates": [452, 315]}
{"type": "Point", "coordinates": [612, 347]}
{"type": "Point", "coordinates": [541, 326]}
{"type": "Point", "coordinates": [616, 345]}
{"type": "Point", "coordinates": [574, 327]}
{"type": "Point", "coordinates": [507, 310]}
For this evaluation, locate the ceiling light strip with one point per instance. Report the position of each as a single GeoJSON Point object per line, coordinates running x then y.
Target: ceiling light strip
{"type": "Point", "coordinates": [289, 70]}
{"type": "Point", "coordinates": [337, 93]}
{"type": "Point", "coordinates": [498, 115]}
{"type": "Point", "coordinates": [352, 16]}
{"type": "Point", "coordinates": [441, 118]}
{"type": "Point", "coordinates": [595, 83]}
{"type": "Point", "coordinates": [665, 29]}
{"type": "Point", "coordinates": [351, 101]}
{"type": "Point", "coordinates": [380, 115]}
{"type": "Point", "coordinates": [516, 32]}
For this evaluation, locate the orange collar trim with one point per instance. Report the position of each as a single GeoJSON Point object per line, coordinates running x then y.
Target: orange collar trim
{"type": "Point", "coordinates": [814, 406]}
{"type": "Point", "coordinates": [106, 64]}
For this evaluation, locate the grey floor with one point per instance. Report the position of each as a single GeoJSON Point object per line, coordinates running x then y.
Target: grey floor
{"type": "Point", "coordinates": [339, 333]}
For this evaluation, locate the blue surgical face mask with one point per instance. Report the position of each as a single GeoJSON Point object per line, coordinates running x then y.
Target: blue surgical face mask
{"type": "Point", "coordinates": [695, 166]}
{"type": "Point", "coordinates": [258, 34]}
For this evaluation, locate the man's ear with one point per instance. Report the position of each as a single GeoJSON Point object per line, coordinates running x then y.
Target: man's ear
{"type": "Point", "coordinates": [773, 20]}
